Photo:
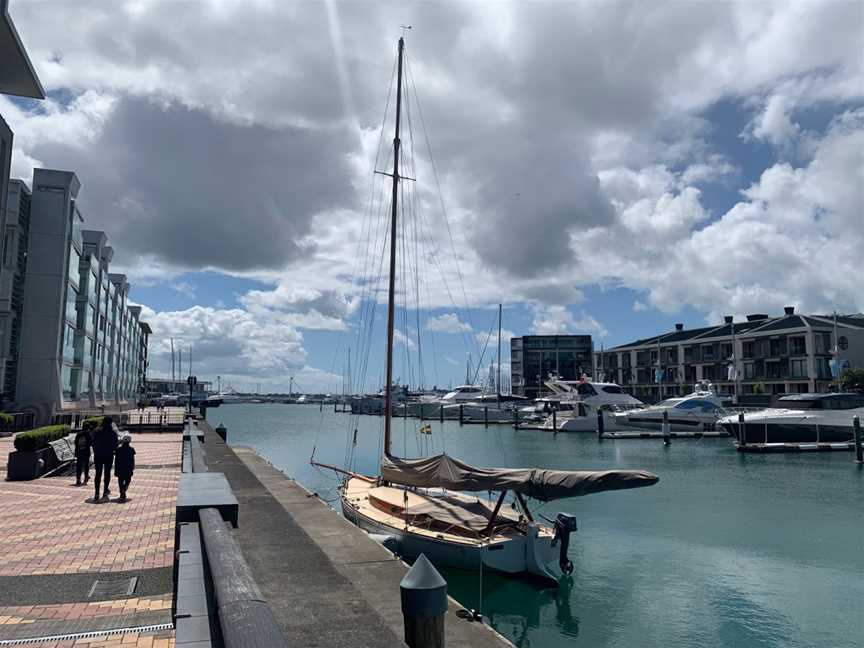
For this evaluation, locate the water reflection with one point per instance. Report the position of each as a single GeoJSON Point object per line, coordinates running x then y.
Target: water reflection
{"type": "Point", "coordinates": [513, 606]}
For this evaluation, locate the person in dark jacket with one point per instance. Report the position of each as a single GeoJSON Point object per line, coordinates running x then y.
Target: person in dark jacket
{"type": "Point", "coordinates": [82, 457]}
{"type": "Point", "coordinates": [124, 465]}
{"type": "Point", "coordinates": [104, 444]}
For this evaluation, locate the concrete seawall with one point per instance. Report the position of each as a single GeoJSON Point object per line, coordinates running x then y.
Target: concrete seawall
{"type": "Point", "coordinates": [326, 581]}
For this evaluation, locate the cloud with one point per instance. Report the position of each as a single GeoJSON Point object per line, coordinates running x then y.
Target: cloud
{"type": "Point", "coordinates": [639, 306]}
{"type": "Point", "coordinates": [184, 288]}
{"type": "Point", "coordinates": [558, 320]}
{"type": "Point", "coordinates": [447, 323]}
{"type": "Point", "coordinates": [400, 338]}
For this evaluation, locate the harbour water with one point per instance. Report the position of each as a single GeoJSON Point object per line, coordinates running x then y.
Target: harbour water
{"type": "Point", "coordinates": [727, 550]}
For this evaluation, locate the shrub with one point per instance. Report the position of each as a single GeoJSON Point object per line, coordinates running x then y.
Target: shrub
{"type": "Point", "coordinates": [5, 420]}
{"type": "Point", "coordinates": [92, 423]}
{"type": "Point", "coordinates": [33, 440]}
{"type": "Point", "coordinates": [852, 379]}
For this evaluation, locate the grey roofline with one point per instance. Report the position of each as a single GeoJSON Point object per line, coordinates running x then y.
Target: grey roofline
{"type": "Point", "coordinates": [706, 332]}
{"type": "Point", "coordinates": [19, 78]}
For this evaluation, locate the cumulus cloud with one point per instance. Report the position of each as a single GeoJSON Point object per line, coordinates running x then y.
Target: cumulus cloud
{"type": "Point", "coordinates": [559, 320]}
{"type": "Point", "coordinates": [447, 323]}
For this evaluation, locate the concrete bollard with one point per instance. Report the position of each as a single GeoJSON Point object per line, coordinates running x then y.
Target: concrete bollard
{"type": "Point", "coordinates": [856, 432]}
{"type": "Point", "coordinates": [424, 603]}
{"type": "Point", "coordinates": [601, 424]}
{"type": "Point", "coordinates": [222, 431]}
{"type": "Point", "coordinates": [742, 431]}
{"type": "Point", "coordinates": [665, 427]}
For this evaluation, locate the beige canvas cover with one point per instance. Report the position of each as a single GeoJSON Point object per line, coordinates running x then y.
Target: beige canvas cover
{"type": "Point", "coordinates": [443, 471]}
{"type": "Point", "coordinates": [473, 516]}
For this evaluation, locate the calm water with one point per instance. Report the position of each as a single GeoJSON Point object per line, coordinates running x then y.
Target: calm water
{"type": "Point", "coordinates": [727, 550]}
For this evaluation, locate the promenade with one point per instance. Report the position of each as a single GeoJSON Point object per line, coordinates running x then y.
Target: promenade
{"type": "Point", "coordinates": [67, 563]}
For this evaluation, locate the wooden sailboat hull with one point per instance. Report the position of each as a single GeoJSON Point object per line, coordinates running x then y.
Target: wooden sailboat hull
{"type": "Point", "coordinates": [527, 553]}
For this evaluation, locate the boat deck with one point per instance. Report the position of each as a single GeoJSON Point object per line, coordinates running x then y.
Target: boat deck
{"type": "Point", "coordinates": [386, 505]}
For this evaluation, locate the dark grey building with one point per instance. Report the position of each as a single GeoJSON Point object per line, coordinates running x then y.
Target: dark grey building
{"type": "Point", "coordinates": [534, 357]}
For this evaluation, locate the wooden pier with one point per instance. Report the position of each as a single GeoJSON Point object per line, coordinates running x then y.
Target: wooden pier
{"type": "Point", "coordinates": [660, 435]}
{"type": "Point", "coordinates": [847, 446]}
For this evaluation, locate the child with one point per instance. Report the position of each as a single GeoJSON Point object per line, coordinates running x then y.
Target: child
{"type": "Point", "coordinates": [82, 457]}
{"type": "Point", "coordinates": [124, 465]}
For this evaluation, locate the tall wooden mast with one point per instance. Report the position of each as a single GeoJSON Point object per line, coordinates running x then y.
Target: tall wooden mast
{"type": "Point", "coordinates": [391, 294]}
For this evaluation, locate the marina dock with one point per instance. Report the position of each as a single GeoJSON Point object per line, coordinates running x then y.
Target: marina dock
{"type": "Point", "coordinates": [110, 574]}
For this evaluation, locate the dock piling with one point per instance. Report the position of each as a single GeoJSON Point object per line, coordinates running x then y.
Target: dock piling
{"type": "Point", "coordinates": [516, 418]}
{"type": "Point", "coordinates": [554, 421]}
{"type": "Point", "coordinates": [461, 414]}
{"type": "Point", "coordinates": [665, 426]}
{"type": "Point", "coordinates": [742, 431]}
{"type": "Point", "coordinates": [856, 432]}
{"type": "Point", "coordinates": [424, 603]}
{"type": "Point", "coordinates": [441, 413]}
{"type": "Point", "coordinates": [486, 415]}
{"type": "Point", "coordinates": [600, 424]}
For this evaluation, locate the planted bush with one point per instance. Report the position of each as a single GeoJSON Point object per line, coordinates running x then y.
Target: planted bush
{"type": "Point", "coordinates": [6, 420]}
{"type": "Point", "coordinates": [92, 423]}
{"type": "Point", "coordinates": [37, 439]}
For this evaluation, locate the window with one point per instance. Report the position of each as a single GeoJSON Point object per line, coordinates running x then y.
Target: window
{"type": "Point", "coordinates": [797, 346]}
{"type": "Point", "coordinates": [749, 370]}
{"type": "Point", "coordinates": [708, 352]}
{"type": "Point", "coordinates": [798, 368]}
{"type": "Point", "coordinates": [71, 307]}
{"type": "Point", "coordinates": [843, 343]}
{"type": "Point", "coordinates": [74, 262]}
{"type": "Point", "coordinates": [749, 349]}
{"type": "Point", "coordinates": [612, 389]}
{"type": "Point", "coordinates": [8, 242]}
{"type": "Point", "coordinates": [702, 405]}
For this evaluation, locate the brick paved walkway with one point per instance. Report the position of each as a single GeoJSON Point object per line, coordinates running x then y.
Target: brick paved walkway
{"type": "Point", "coordinates": [51, 534]}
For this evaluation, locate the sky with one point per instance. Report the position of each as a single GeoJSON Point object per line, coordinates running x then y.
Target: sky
{"type": "Point", "coordinates": [597, 168]}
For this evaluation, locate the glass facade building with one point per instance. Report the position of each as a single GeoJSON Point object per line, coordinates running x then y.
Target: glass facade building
{"type": "Point", "coordinates": [83, 343]}
{"type": "Point", "coordinates": [533, 358]}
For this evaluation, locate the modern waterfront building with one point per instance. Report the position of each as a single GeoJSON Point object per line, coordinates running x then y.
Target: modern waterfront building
{"type": "Point", "coordinates": [82, 344]}
{"type": "Point", "coordinates": [13, 267]}
{"type": "Point", "coordinates": [18, 78]}
{"type": "Point", "coordinates": [775, 355]}
{"type": "Point", "coordinates": [534, 357]}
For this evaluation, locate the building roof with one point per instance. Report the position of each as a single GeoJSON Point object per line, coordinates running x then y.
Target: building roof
{"type": "Point", "coordinates": [17, 76]}
{"type": "Point", "coordinates": [780, 323]}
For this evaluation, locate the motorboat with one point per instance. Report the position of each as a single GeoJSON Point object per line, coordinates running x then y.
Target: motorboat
{"type": "Point", "coordinates": [588, 398]}
{"type": "Point", "coordinates": [801, 418]}
{"type": "Point", "coordinates": [699, 410]}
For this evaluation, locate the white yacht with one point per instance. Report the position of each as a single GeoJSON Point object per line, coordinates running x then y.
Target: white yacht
{"type": "Point", "coordinates": [700, 410]}
{"type": "Point", "coordinates": [801, 418]}
{"type": "Point", "coordinates": [585, 398]}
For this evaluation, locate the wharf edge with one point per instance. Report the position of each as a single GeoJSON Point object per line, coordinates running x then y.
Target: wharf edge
{"type": "Point", "coordinates": [341, 582]}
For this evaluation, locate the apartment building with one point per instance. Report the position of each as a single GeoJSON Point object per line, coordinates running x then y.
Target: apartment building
{"type": "Point", "coordinates": [82, 344]}
{"type": "Point", "coordinates": [534, 357]}
{"type": "Point", "coordinates": [761, 355]}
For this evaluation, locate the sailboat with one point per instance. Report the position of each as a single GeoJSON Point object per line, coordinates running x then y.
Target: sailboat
{"type": "Point", "coordinates": [426, 506]}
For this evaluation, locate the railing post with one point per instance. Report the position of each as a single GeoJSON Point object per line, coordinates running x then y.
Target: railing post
{"type": "Point", "coordinates": [856, 431]}
{"type": "Point", "coordinates": [424, 603]}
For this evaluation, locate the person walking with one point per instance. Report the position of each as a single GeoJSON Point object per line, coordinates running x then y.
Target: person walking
{"type": "Point", "coordinates": [124, 465]}
{"type": "Point", "coordinates": [104, 444]}
{"type": "Point", "coordinates": [83, 443]}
